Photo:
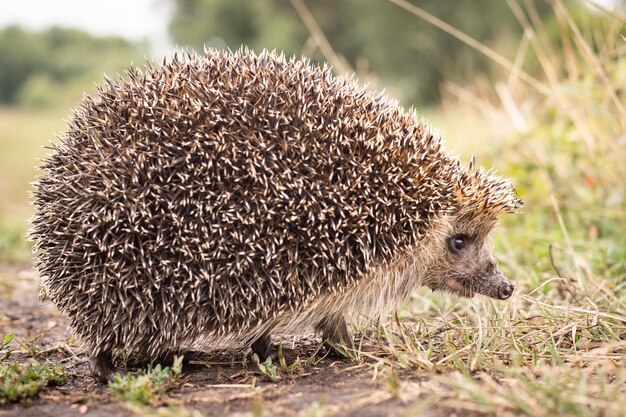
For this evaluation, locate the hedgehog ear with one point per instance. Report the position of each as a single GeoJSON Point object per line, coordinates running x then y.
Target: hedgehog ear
{"type": "Point", "coordinates": [511, 203]}
{"type": "Point", "coordinates": [485, 194]}
{"type": "Point", "coordinates": [505, 198]}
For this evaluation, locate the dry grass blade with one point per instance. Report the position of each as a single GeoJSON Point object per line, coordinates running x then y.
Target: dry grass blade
{"type": "Point", "coordinates": [480, 47]}
{"type": "Point", "coordinates": [340, 65]}
{"type": "Point", "coordinates": [584, 47]}
{"type": "Point", "coordinates": [576, 310]}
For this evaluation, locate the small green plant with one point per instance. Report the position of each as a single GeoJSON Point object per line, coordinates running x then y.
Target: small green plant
{"type": "Point", "coordinates": [19, 382]}
{"type": "Point", "coordinates": [282, 361]}
{"type": "Point", "coordinates": [148, 385]}
{"type": "Point", "coordinates": [288, 368]}
{"type": "Point", "coordinates": [267, 368]}
{"type": "Point", "coordinates": [30, 347]}
{"type": "Point", "coordinates": [5, 351]}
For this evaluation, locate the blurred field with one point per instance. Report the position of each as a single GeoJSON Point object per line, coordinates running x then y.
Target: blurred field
{"type": "Point", "coordinates": [23, 135]}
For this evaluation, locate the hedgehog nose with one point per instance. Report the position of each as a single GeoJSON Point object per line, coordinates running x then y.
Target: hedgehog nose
{"type": "Point", "coordinates": [505, 290]}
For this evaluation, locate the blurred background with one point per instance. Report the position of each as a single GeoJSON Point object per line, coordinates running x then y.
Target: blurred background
{"type": "Point", "coordinates": [534, 88]}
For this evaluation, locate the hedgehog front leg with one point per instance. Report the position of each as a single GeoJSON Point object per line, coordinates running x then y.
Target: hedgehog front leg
{"type": "Point", "coordinates": [263, 347]}
{"type": "Point", "coordinates": [101, 366]}
{"type": "Point", "coordinates": [335, 333]}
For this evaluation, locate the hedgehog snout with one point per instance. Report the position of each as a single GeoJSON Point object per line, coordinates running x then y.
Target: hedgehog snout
{"type": "Point", "coordinates": [494, 284]}
{"type": "Point", "coordinates": [505, 290]}
{"type": "Point", "coordinates": [497, 286]}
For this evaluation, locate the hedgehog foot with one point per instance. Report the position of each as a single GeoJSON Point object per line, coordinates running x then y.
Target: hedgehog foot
{"type": "Point", "coordinates": [336, 337]}
{"type": "Point", "coordinates": [263, 348]}
{"type": "Point", "coordinates": [101, 366]}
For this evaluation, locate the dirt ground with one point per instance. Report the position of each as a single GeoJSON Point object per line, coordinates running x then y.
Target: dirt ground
{"type": "Point", "coordinates": [323, 388]}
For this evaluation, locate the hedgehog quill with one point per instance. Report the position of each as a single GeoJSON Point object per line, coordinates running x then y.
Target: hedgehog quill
{"type": "Point", "coordinates": [228, 198]}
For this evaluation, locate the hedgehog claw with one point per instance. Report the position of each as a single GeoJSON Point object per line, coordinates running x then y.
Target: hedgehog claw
{"type": "Point", "coordinates": [101, 366]}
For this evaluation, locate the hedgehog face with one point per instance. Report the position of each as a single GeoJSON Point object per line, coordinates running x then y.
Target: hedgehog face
{"type": "Point", "coordinates": [473, 268]}
{"type": "Point", "coordinates": [467, 266]}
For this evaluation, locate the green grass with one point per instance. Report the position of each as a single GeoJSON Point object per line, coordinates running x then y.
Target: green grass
{"type": "Point", "coordinates": [21, 382]}
{"type": "Point", "coordinates": [147, 386]}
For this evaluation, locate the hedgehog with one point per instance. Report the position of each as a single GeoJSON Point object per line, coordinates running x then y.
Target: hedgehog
{"type": "Point", "coordinates": [225, 198]}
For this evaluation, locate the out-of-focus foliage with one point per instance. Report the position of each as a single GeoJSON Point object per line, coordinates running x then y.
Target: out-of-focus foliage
{"type": "Point", "coordinates": [53, 67]}
{"type": "Point", "coordinates": [408, 54]}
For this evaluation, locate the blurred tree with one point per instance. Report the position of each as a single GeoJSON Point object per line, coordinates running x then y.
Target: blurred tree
{"type": "Point", "coordinates": [403, 50]}
{"type": "Point", "coordinates": [43, 68]}
{"type": "Point", "coordinates": [21, 56]}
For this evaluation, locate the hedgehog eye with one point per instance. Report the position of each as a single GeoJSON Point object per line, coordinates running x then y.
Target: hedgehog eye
{"type": "Point", "coordinates": [457, 243]}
